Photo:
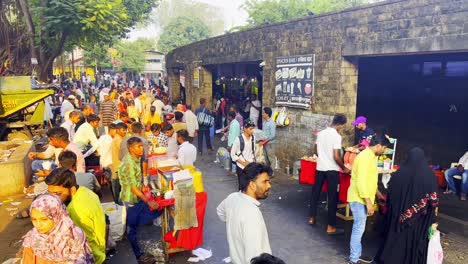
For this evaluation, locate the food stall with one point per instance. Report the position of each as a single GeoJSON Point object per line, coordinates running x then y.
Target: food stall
{"type": "Point", "coordinates": [180, 194]}
{"type": "Point", "coordinates": [385, 167]}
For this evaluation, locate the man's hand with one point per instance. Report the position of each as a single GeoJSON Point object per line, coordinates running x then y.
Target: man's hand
{"type": "Point", "coordinates": [153, 205]}
{"type": "Point", "coordinates": [460, 168]}
{"type": "Point", "coordinates": [346, 170]}
{"type": "Point", "coordinates": [32, 155]}
{"type": "Point", "coordinates": [370, 209]}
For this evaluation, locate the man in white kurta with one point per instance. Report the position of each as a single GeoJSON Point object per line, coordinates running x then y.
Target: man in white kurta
{"type": "Point", "coordinates": [247, 234]}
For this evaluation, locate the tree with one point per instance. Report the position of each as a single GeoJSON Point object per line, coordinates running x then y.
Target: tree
{"type": "Point", "coordinates": [182, 31]}
{"type": "Point", "coordinates": [131, 54]}
{"type": "Point", "coordinates": [50, 26]}
{"type": "Point", "coordinates": [263, 12]}
{"type": "Point", "coordinates": [210, 15]}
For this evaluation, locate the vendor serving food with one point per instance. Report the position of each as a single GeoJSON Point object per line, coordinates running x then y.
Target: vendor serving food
{"type": "Point", "coordinates": [364, 134]}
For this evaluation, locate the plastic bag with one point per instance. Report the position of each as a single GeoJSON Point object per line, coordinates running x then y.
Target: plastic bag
{"type": "Point", "coordinates": [117, 216]}
{"type": "Point", "coordinates": [435, 255]}
{"type": "Point", "coordinates": [282, 118]}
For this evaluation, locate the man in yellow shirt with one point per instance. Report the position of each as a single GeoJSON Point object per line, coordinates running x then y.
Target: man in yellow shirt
{"type": "Point", "coordinates": [362, 191]}
{"type": "Point", "coordinates": [152, 118]}
{"type": "Point", "coordinates": [84, 208]}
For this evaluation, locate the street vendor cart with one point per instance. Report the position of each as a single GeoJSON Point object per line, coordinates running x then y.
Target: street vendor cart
{"type": "Point", "coordinates": [183, 205]}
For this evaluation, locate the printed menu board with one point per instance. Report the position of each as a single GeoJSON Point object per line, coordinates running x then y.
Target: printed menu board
{"type": "Point", "coordinates": [294, 81]}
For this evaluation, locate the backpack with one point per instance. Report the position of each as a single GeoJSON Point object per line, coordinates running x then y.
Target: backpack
{"type": "Point", "coordinates": [242, 145]}
{"type": "Point", "coordinates": [205, 119]}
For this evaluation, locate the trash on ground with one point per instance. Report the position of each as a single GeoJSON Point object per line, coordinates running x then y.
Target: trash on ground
{"type": "Point", "coordinates": [202, 253]}
{"type": "Point", "coordinates": [193, 259]}
{"type": "Point", "coordinates": [227, 260]}
{"type": "Point", "coordinates": [15, 203]}
{"type": "Point", "coordinates": [153, 248]}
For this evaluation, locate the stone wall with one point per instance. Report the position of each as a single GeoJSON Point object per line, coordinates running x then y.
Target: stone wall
{"type": "Point", "coordinates": [337, 39]}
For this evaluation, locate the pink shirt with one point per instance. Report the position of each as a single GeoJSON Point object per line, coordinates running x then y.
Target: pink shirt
{"type": "Point", "coordinates": [80, 162]}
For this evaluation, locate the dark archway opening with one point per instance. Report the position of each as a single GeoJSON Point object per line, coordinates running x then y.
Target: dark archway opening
{"type": "Point", "coordinates": [236, 82]}
{"type": "Point", "coordinates": [422, 100]}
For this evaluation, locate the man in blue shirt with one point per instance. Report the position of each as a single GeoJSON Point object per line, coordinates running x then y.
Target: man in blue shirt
{"type": "Point", "coordinates": [269, 129]}
{"type": "Point", "coordinates": [364, 133]}
{"type": "Point", "coordinates": [234, 129]}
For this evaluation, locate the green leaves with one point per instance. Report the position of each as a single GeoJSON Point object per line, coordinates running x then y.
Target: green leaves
{"type": "Point", "coordinates": [182, 31]}
{"type": "Point", "coordinates": [262, 12]}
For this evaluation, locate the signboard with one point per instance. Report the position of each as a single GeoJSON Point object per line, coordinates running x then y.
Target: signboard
{"type": "Point", "coordinates": [294, 80]}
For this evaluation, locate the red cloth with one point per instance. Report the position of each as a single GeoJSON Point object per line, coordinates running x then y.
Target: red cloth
{"type": "Point", "coordinates": [307, 176]}
{"type": "Point", "coordinates": [308, 169]}
{"type": "Point", "coordinates": [190, 238]}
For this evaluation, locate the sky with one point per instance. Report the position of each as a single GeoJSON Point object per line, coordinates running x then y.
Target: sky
{"type": "Point", "coordinates": [232, 13]}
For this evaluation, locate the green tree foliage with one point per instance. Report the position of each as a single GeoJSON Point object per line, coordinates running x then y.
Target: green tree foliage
{"type": "Point", "coordinates": [210, 15]}
{"type": "Point", "coordinates": [182, 31]}
{"type": "Point", "coordinates": [54, 25]}
{"type": "Point", "coordinates": [131, 54]}
{"type": "Point", "coordinates": [263, 12]}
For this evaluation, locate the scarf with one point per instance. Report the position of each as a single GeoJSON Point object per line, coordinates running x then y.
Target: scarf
{"type": "Point", "coordinates": [412, 189]}
{"type": "Point", "coordinates": [65, 243]}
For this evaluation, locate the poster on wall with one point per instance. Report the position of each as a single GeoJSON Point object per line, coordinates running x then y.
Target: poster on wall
{"type": "Point", "coordinates": [294, 81]}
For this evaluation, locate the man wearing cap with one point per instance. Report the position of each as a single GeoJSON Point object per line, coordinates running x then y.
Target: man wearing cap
{"type": "Point", "coordinates": [364, 133]}
{"type": "Point", "coordinates": [67, 107]}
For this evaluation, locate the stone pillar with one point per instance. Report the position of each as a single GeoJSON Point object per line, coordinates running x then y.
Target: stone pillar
{"type": "Point", "coordinates": [204, 89]}
{"type": "Point", "coordinates": [348, 96]}
{"type": "Point", "coordinates": [174, 83]}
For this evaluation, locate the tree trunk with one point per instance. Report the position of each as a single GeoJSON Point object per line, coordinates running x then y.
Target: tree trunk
{"type": "Point", "coordinates": [24, 5]}
{"type": "Point", "coordinates": [46, 70]}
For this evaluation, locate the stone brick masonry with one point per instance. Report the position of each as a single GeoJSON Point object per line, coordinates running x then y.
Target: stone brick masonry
{"type": "Point", "coordinates": [395, 27]}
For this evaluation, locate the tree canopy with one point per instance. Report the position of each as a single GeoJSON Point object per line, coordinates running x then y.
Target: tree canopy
{"type": "Point", "coordinates": [182, 31]}
{"type": "Point", "coordinates": [50, 26]}
{"type": "Point", "coordinates": [210, 15]}
{"type": "Point", "coordinates": [263, 12]}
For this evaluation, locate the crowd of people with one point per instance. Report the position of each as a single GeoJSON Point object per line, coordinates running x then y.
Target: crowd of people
{"type": "Point", "coordinates": [116, 129]}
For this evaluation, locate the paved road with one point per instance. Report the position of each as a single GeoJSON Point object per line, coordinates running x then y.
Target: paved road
{"type": "Point", "coordinates": [291, 238]}
{"type": "Point", "coordinates": [285, 213]}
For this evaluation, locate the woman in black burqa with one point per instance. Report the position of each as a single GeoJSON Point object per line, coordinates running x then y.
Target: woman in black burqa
{"type": "Point", "coordinates": [412, 199]}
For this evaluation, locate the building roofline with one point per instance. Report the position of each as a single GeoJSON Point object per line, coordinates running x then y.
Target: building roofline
{"type": "Point", "coordinates": [351, 9]}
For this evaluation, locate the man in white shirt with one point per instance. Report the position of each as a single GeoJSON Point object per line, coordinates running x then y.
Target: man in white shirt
{"type": "Point", "coordinates": [243, 149]}
{"type": "Point", "coordinates": [172, 147]}
{"type": "Point", "coordinates": [192, 123]}
{"type": "Point", "coordinates": [67, 106]}
{"type": "Point", "coordinates": [461, 169]}
{"type": "Point", "coordinates": [159, 105]}
{"type": "Point", "coordinates": [247, 234]}
{"type": "Point", "coordinates": [329, 162]}
{"type": "Point", "coordinates": [104, 148]}
{"type": "Point", "coordinates": [255, 109]}
{"type": "Point", "coordinates": [69, 125]}
{"type": "Point", "coordinates": [85, 134]}
{"type": "Point", "coordinates": [187, 154]}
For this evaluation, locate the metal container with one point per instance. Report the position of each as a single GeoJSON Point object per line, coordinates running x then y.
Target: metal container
{"type": "Point", "coordinates": [226, 163]}
{"type": "Point", "coordinates": [296, 168]}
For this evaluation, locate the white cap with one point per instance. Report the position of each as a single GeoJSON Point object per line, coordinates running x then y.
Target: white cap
{"type": "Point", "coordinates": [71, 96]}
